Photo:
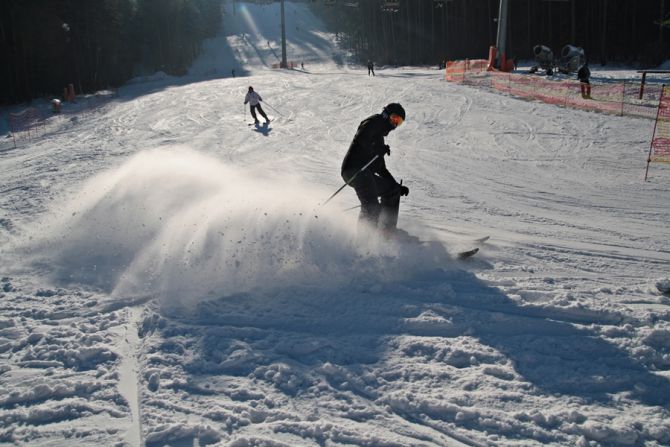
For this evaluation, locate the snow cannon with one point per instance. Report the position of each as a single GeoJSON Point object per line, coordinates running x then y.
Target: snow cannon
{"type": "Point", "coordinates": [544, 59]}
{"type": "Point", "coordinates": [572, 58]}
{"type": "Point", "coordinates": [55, 105]}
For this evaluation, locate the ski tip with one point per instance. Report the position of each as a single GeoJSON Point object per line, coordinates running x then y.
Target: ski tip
{"type": "Point", "coordinates": [482, 239]}
{"type": "Point", "coordinates": [467, 254]}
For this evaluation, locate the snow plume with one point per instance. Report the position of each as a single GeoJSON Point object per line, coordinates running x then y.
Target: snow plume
{"type": "Point", "coordinates": [182, 225]}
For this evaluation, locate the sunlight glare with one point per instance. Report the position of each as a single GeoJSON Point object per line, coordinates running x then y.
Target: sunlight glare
{"type": "Point", "coordinates": [246, 16]}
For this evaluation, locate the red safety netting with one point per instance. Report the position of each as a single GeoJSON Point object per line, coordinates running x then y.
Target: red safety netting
{"type": "Point", "coordinates": [660, 142]}
{"type": "Point", "coordinates": [457, 71]}
{"type": "Point", "coordinates": [644, 106]}
{"type": "Point", "coordinates": [26, 124]}
{"type": "Point", "coordinates": [620, 98]}
{"type": "Point", "coordinates": [24, 121]}
{"type": "Point", "coordinates": [33, 122]}
{"type": "Point", "coordinates": [289, 64]}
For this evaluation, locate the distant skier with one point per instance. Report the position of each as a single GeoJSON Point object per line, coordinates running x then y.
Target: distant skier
{"type": "Point", "coordinates": [375, 182]}
{"type": "Point", "coordinates": [371, 68]}
{"type": "Point", "coordinates": [254, 100]}
{"type": "Point", "coordinates": [584, 74]}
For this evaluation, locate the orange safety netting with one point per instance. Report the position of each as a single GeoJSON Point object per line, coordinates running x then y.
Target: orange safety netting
{"type": "Point", "coordinates": [620, 98]}
{"type": "Point", "coordinates": [660, 142]}
{"type": "Point", "coordinates": [289, 64]}
{"type": "Point", "coordinates": [25, 124]}
{"type": "Point", "coordinates": [456, 71]}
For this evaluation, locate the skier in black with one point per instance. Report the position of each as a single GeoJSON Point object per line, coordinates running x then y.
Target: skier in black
{"type": "Point", "coordinates": [375, 182]}
{"type": "Point", "coordinates": [371, 68]}
{"type": "Point", "coordinates": [583, 74]}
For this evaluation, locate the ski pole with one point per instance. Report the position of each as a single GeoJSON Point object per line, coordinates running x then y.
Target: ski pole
{"type": "Point", "coordinates": [383, 195]}
{"type": "Point", "coordinates": [273, 108]}
{"type": "Point", "coordinates": [352, 178]}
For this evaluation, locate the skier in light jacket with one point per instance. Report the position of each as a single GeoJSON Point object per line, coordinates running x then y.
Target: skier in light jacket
{"type": "Point", "coordinates": [254, 100]}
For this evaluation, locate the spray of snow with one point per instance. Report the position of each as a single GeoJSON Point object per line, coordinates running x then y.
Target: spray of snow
{"type": "Point", "coordinates": [175, 223]}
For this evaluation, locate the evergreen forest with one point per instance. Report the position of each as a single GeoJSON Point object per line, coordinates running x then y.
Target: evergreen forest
{"type": "Point", "coordinates": [634, 32]}
{"type": "Point", "coordinates": [96, 44]}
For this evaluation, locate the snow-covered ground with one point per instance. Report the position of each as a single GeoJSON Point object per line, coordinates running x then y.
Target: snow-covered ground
{"type": "Point", "coordinates": [170, 277]}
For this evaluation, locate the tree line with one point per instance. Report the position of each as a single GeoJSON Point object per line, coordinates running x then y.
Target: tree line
{"type": "Point", "coordinates": [96, 44]}
{"type": "Point", "coordinates": [430, 31]}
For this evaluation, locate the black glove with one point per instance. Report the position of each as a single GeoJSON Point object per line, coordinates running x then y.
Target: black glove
{"type": "Point", "coordinates": [404, 190]}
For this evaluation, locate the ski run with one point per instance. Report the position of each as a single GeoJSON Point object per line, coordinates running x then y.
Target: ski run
{"type": "Point", "coordinates": [169, 277]}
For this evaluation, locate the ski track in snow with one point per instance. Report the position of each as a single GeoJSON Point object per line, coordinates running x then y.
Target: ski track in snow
{"type": "Point", "coordinates": [168, 276]}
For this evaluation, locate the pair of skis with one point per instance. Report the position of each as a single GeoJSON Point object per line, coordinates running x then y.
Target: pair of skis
{"type": "Point", "coordinates": [403, 236]}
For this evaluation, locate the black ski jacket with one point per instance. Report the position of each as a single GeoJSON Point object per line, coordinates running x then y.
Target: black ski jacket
{"type": "Point", "coordinates": [368, 142]}
{"type": "Point", "coordinates": [584, 73]}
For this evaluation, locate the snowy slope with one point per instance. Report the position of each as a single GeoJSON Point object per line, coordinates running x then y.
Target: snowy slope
{"type": "Point", "coordinates": [169, 277]}
{"type": "Point", "coordinates": [251, 41]}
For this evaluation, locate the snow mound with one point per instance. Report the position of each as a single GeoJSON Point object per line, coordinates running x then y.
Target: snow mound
{"type": "Point", "coordinates": [181, 225]}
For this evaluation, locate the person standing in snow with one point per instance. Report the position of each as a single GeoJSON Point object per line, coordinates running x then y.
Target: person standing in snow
{"type": "Point", "coordinates": [377, 190]}
{"type": "Point", "coordinates": [371, 68]}
{"type": "Point", "coordinates": [254, 100]}
{"type": "Point", "coordinates": [583, 74]}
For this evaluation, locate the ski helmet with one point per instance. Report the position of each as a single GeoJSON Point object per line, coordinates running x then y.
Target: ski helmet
{"type": "Point", "coordinates": [395, 108]}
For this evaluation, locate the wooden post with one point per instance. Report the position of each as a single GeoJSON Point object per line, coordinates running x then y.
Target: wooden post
{"type": "Point", "coordinates": [644, 78]}
{"type": "Point", "coordinates": [651, 145]}
{"type": "Point", "coordinates": [9, 122]}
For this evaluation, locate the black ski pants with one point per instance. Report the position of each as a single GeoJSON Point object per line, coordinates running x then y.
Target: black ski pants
{"type": "Point", "coordinates": [380, 200]}
{"type": "Point", "coordinates": [260, 110]}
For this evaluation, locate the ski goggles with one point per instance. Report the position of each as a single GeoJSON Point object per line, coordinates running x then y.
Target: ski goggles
{"type": "Point", "coordinates": [396, 120]}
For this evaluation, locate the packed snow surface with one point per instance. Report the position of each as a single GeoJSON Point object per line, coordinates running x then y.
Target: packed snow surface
{"type": "Point", "coordinates": [170, 275]}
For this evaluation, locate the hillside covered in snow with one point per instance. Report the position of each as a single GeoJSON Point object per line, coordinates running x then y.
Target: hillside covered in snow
{"type": "Point", "coordinates": [169, 274]}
